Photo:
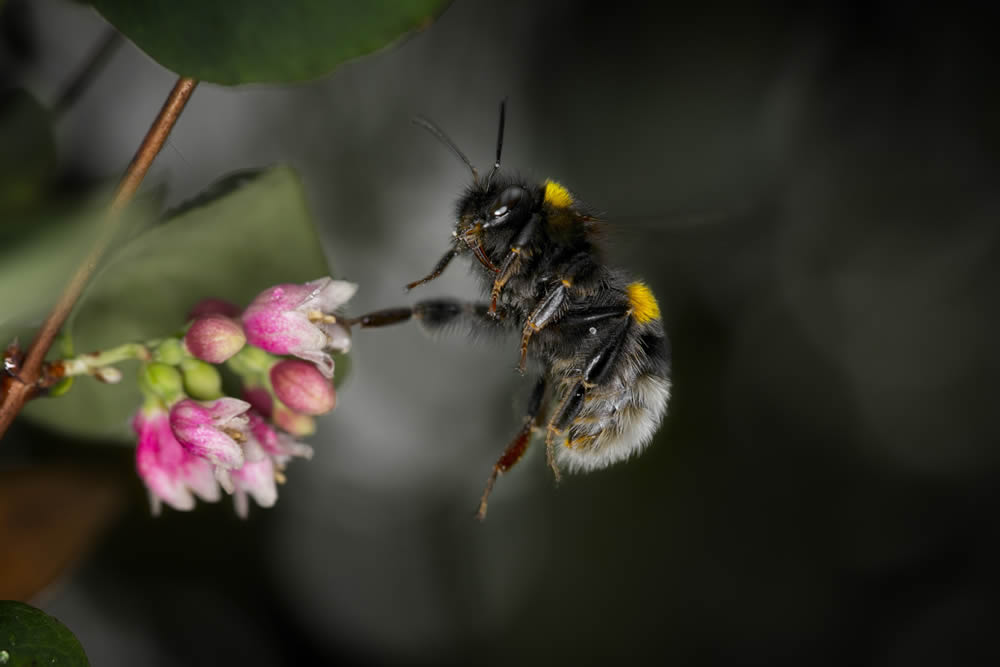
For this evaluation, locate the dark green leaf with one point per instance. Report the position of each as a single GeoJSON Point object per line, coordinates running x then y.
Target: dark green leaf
{"type": "Point", "coordinates": [230, 247]}
{"type": "Point", "coordinates": [30, 638]}
{"type": "Point", "coordinates": [28, 156]}
{"type": "Point", "coordinates": [256, 42]}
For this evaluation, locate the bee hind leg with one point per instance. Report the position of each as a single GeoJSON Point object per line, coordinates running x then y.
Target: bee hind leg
{"type": "Point", "coordinates": [599, 369]}
{"type": "Point", "coordinates": [517, 447]}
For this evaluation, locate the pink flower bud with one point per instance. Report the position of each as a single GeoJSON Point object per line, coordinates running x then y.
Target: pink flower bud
{"type": "Point", "coordinates": [298, 425]}
{"type": "Point", "coordinates": [213, 430]}
{"type": "Point", "coordinates": [169, 471]}
{"type": "Point", "coordinates": [296, 319]}
{"type": "Point", "coordinates": [300, 386]}
{"type": "Point", "coordinates": [214, 338]}
{"type": "Point", "coordinates": [214, 307]}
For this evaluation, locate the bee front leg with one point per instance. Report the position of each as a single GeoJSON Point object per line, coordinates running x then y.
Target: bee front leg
{"type": "Point", "coordinates": [512, 263]}
{"type": "Point", "coordinates": [437, 271]}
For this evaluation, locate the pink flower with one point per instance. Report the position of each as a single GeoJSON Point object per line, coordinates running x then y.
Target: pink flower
{"type": "Point", "coordinates": [169, 471]}
{"type": "Point", "coordinates": [300, 386]}
{"type": "Point", "coordinates": [266, 452]}
{"type": "Point", "coordinates": [212, 430]}
{"type": "Point", "coordinates": [297, 320]}
{"type": "Point", "coordinates": [255, 479]}
{"type": "Point", "coordinates": [214, 338]}
{"type": "Point", "coordinates": [278, 445]}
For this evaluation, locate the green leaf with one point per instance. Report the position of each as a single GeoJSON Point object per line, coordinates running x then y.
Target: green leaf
{"type": "Point", "coordinates": [41, 248]}
{"type": "Point", "coordinates": [254, 232]}
{"type": "Point", "coordinates": [257, 42]}
{"type": "Point", "coordinates": [30, 637]}
{"type": "Point", "coordinates": [28, 157]}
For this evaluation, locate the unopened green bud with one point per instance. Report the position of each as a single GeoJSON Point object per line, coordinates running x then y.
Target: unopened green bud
{"type": "Point", "coordinates": [161, 380]}
{"type": "Point", "coordinates": [171, 351]}
{"type": "Point", "coordinates": [201, 380]}
{"type": "Point", "coordinates": [251, 362]}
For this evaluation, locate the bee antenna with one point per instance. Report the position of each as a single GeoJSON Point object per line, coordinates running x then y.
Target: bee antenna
{"type": "Point", "coordinates": [496, 165]}
{"type": "Point", "coordinates": [439, 134]}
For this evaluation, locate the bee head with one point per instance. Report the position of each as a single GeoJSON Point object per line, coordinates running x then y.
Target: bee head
{"type": "Point", "coordinates": [493, 203]}
{"type": "Point", "coordinates": [493, 210]}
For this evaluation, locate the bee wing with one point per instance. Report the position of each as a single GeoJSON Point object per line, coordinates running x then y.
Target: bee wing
{"type": "Point", "coordinates": [688, 243]}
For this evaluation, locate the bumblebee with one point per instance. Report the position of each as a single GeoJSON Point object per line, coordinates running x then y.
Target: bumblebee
{"type": "Point", "coordinates": [595, 332]}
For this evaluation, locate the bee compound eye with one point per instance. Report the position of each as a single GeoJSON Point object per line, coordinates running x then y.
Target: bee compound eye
{"type": "Point", "coordinates": [512, 196]}
{"type": "Point", "coordinates": [508, 200]}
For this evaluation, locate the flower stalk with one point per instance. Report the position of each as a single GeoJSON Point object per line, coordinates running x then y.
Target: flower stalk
{"type": "Point", "coordinates": [15, 391]}
{"type": "Point", "coordinates": [92, 364]}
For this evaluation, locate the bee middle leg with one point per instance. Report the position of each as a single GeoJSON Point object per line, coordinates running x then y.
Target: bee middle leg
{"type": "Point", "coordinates": [548, 310]}
{"type": "Point", "coordinates": [517, 447]}
{"type": "Point", "coordinates": [556, 301]}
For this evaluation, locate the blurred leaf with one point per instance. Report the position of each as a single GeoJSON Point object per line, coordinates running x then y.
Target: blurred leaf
{"type": "Point", "coordinates": [28, 157]}
{"type": "Point", "coordinates": [49, 517]}
{"type": "Point", "coordinates": [342, 368]}
{"type": "Point", "coordinates": [42, 248]}
{"type": "Point", "coordinates": [255, 233]}
{"type": "Point", "coordinates": [257, 42]}
{"type": "Point", "coordinates": [30, 638]}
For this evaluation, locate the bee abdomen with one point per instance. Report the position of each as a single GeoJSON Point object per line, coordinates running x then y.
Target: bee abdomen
{"type": "Point", "coordinates": [617, 422]}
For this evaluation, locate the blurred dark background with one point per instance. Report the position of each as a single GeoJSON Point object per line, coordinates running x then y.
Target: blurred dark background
{"type": "Point", "coordinates": [813, 196]}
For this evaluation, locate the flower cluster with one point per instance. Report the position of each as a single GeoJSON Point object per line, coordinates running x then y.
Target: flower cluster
{"type": "Point", "coordinates": [194, 440]}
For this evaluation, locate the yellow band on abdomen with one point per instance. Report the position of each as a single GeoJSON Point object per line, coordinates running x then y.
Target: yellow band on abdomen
{"type": "Point", "coordinates": [643, 303]}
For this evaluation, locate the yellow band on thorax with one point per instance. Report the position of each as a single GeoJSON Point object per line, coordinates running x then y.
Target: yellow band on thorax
{"type": "Point", "coordinates": [643, 303]}
{"type": "Point", "coordinates": [557, 196]}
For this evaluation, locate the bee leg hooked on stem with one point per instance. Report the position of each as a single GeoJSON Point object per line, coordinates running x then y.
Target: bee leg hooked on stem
{"type": "Point", "coordinates": [379, 318]}
{"type": "Point", "coordinates": [431, 314]}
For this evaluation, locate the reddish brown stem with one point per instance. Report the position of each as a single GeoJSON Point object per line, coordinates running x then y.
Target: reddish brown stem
{"type": "Point", "coordinates": [17, 391]}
